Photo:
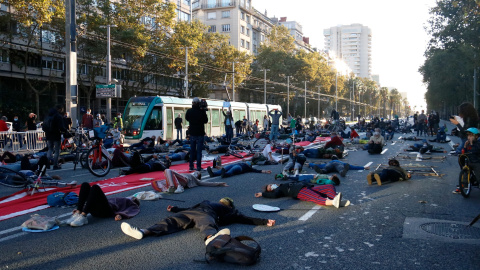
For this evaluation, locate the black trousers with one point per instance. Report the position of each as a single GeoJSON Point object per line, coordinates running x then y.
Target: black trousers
{"type": "Point", "coordinates": [183, 220]}
{"type": "Point", "coordinates": [92, 200]}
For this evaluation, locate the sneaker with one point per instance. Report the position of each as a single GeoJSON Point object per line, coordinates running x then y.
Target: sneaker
{"type": "Point", "coordinates": [199, 169]}
{"type": "Point", "coordinates": [72, 184]}
{"type": "Point", "coordinates": [345, 170]}
{"type": "Point", "coordinates": [279, 176]}
{"type": "Point", "coordinates": [131, 231]}
{"type": "Point", "coordinates": [369, 178]}
{"type": "Point", "coordinates": [225, 231]}
{"type": "Point", "coordinates": [344, 203]}
{"type": "Point", "coordinates": [428, 152]}
{"type": "Point", "coordinates": [457, 190]}
{"type": "Point", "coordinates": [80, 220]}
{"type": "Point", "coordinates": [223, 173]}
{"type": "Point", "coordinates": [210, 172]}
{"type": "Point", "coordinates": [337, 199]}
{"type": "Point", "coordinates": [320, 171]}
{"type": "Point", "coordinates": [71, 219]}
{"type": "Point", "coordinates": [191, 169]}
{"type": "Point", "coordinates": [377, 178]}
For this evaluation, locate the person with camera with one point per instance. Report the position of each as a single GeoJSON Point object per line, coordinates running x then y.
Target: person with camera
{"type": "Point", "coordinates": [197, 118]}
{"type": "Point", "coordinates": [53, 127]}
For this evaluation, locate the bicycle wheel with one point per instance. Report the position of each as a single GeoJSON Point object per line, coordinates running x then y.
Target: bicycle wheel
{"type": "Point", "coordinates": [235, 154]}
{"type": "Point", "coordinates": [11, 178]}
{"type": "Point", "coordinates": [98, 163]}
{"type": "Point", "coordinates": [84, 160]}
{"type": "Point", "coordinates": [464, 184]}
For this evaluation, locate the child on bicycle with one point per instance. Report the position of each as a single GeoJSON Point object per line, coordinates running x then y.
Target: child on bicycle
{"type": "Point", "coordinates": [471, 150]}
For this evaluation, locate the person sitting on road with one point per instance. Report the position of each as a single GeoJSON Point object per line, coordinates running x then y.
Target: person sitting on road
{"type": "Point", "coordinates": [471, 150]}
{"type": "Point", "coordinates": [179, 181]}
{"type": "Point", "coordinates": [151, 164]}
{"type": "Point", "coordinates": [392, 173]}
{"type": "Point", "coordinates": [321, 195]}
{"type": "Point", "coordinates": [235, 169]}
{"type": "Point", "coordinates": [92, 200]}
{"type": "Point", "coordinates": [441, 135]}
{"type": "Point", "coordinates": [334, 142]}
{"type": "Point", "coordinates": [389, 133]}
{"type": "Point", "coordinates": [319, 179]}
{"type": "Point", "coordinates": [296, 161]}
{"type": "Point", "coordinates": [335, 166]}
{"type": "Point", "coordinates": [206, 216]}
{"type": "Point", "coordinates": [375, 145]}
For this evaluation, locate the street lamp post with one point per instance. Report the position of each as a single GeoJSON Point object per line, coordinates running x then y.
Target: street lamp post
{"type": "Point", "coordinates": [109, 69]}
{"type": "Point", "coordinates": [319, 102]}
{"type": "Point", "coordinates": [233, 81]}
{"type": "Point", "coordinates": [186, 70]}
{"type": "Point", "coordinates": [305, 98]}
{"type": "Point", "coordinates": [288, 95]}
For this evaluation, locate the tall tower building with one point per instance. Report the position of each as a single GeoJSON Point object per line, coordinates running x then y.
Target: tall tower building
{"type": "Point", "coordinates": [353, 44]}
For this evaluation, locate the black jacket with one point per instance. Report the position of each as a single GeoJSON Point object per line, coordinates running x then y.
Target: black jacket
{"type": "Point", "coordinates": [228, 117]}
{"type": "Point", "coordinates": [286, 190]}
{"type": "Point", "coordinates": [57, 126]}
{"type": "Point", "coordinates": [197, 119]}
{"type": "Point", "coordinates": [223, 215]}
{"type": "Point", "coordinates": [16, 126]}
{"type": "Point", "coordinates": [178, 123]}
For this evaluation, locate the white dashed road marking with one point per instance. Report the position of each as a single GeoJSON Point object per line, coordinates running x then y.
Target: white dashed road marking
{"type": "Point", "coordinates": [384, 150]}
{"type": "Point", "coordinates": [310, 213]}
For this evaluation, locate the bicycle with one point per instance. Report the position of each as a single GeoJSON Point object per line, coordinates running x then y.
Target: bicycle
{"type": "Point", "coordinates": [14, 179]}
{"type": "Point", "coordinates": [467, 176]}
{"type": "Point", "coordinates": [99, 162]}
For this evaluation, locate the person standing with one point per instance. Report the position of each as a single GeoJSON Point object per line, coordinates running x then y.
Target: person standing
{"type": "Point", "coordinates": [197, 118]}
{"type": "Point", "coordinates": [17, 127]}
{"type": "Point", "coordinates": [67, 121]}
{"type": "Point", "coordinates": [265, 123]}
{"type": "Point", "coordinates": [87, 119]}
{"type": "Point", "coordinates": [275, 123]}
{"type": "Point", "coordinates": [118, 122]}
{"type": "Point", "coordinates": [53, 132]}
{"type": "Point", "coordinates": [97, 122]}
{"type": "Point", "coordinates": [3, 123]}
{"type": "Point", "coordinates": [467, 118]}
{"type": "Point", "coordinates": [422, 118]}
{"type": "Point", "coordinates": [178, 126]}
{"type": "Point", "coordinates": [228, 124]}
{"type": "Point", "coordinates": [31, 136]}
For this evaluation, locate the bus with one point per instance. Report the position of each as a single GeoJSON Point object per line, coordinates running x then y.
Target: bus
{"type": "Point", "coordinates": [155, 115]}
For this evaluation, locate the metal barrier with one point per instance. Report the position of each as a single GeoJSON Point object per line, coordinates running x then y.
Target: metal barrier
{"type": "Point", "coordinates": [32, 140]}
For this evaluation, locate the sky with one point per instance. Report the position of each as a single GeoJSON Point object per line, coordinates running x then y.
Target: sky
{"type": "Point", "coordinates": [399, 38]}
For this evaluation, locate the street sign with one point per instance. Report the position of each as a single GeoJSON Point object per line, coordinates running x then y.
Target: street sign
{"type": "Point", "coordinates": [105, 90]}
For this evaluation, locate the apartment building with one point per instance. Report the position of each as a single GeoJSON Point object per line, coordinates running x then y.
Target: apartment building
{"type": "Point", "coordinates": [353, 44]}
{"type": "Point", "coordinates": [245, 26]}
{"type": "Point", "coordinates": [296, 31]}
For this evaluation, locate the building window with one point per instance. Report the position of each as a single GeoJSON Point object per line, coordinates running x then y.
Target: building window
{"type": "Point", "coordinates": [211, 15]}
{"type": "Point", "coordinates": [254, 48]}
{"type": "Point", "coordinates": [225, 27]}
{"type": "Point", "coordinates": [226, 3]}
{"type": "Point", "coordinates": [248, 32]}
{"type": "Point", "coordinates": [242, 29]}
{"type": "Point", "coordinates": [4, 55]}
{"type": "Point", "coordinates": [254, 35]}
{"type": "Point", "coordinates": [248, 45]}
{"type": "Point", "coordinates": [182, 16]}
{"type": "Point", "coordinates": [242, 16]}
{"type": "Point", "coordinates": [242, 43]}
{"type": "Point", "coordinates": [226, 14]}
{"type": "Point", "coordinates": [212, 29]}
{"type": "Point", "coordinates": [211, 3]}
{"type": "Point", "coordinates": [248, 18]}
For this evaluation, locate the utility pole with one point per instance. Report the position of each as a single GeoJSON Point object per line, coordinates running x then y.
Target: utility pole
{"type": "Point", "coordinates": [305, 99]}
{"type": "Point", "coordinates": [185, 94]}
{"type": "Point", "coordinates": [233, 81]}
{"type": "Point", "coordinates": [265, 85]}
{"type": "Point", "coordinates": [319, 102]}
{"type": "Point", "coordinates": [288, 95]}
{"type": "Point", "coordinates": [71, 61]}
{"type": "Point", "coordinates": [109, 70]}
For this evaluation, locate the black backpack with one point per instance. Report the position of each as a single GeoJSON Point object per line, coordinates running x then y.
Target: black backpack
{"type": "Point", "coordinates": [224, 248]}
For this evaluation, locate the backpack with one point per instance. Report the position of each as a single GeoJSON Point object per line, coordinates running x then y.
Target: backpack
{"type": "Point", "coordinates": [47, 124]}
{"type": "Point", "coordinates": [224, 248]}
{"type": "Point", "coordinates": [62, 199]}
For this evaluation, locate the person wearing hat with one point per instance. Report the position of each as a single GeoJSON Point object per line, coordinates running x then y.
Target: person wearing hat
{"type": "Point", "coordinates": [392, 173]}
{"type": "Point", "coordinates": [235, 169]}
{"type": "Point", "coordinates": [197, 118]}
{"type": "Point", "coordinates": [471, 150]}
{"type": "Point", "coordinates": [97, 122]}
{"type": "Point", "coordinates": [206, 216]}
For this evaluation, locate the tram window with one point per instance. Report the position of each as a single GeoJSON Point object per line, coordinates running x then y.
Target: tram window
{"type": "Point", "coordinates": [242, 114]}
{"type": "Point", "coordinates": [236, 115]}
{"type": "Point", "coordinates": [155, 119]}
{"type": "Point", "coordinates": [215, 118]}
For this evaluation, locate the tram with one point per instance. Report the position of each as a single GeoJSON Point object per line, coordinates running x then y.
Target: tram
{"type": "Point", "coordinates": [155, 115]}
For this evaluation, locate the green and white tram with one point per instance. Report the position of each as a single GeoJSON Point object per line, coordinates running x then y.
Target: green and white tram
{"type": "Point", "coordinates": [155, 116]}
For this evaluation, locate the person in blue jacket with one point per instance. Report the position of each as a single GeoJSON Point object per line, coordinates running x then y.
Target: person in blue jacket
{"type": "Point", "coordinates": [335, 166]}
{"type": "Point", "coordinates": [235, 169]}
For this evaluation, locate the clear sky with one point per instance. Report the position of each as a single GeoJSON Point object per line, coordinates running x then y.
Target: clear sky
{"type": "Point", "coordinates": [399, 38]}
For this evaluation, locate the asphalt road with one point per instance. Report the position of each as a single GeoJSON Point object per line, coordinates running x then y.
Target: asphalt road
{"type": "Point", "coordinates": [415, 224]}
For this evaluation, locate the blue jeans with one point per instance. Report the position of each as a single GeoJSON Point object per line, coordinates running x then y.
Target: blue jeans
{"type": "Point", "coordinates": [229, 133]}
{"type": "Point", "coordinates": [230, 170]}
{"type": "Point", "coordinates": [274, 132]}
{"type": "Point", "coordinates": [196, 147]}
{"type": "Point", "coordinates": [311, 153]}
{"type": "Point", "coordinates": [179, 131]}
{"type": "Point", "coordinates": [53, 145]}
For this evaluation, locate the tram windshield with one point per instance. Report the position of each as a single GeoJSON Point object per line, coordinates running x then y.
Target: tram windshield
{"type": "Point", "coordinates": [134, 114]}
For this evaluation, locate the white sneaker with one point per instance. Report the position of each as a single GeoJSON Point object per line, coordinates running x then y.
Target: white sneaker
{"type": "Point", "coordinates": [71, 219]}
{"type": "Point", "coordinates": [80, 220]}
{"type": "Point", "coordinates": [221, 232]}
{"type": "Point", "coordinates": [344, 203]}
{"type": "Point", "coordinates": [131, 231]}
{"type": "Point", "coordinates": [337, 199]}
{"type": "Point", "coordinates": [179, 189]}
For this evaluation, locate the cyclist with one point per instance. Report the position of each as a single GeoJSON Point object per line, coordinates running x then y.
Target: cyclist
{"type": "Point", "coordinates": [471, 149]}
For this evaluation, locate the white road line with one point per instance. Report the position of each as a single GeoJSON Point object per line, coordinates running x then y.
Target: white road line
{"type": "Point", "coordinates": [384, 150]}
{"type": "Point", "coordinates": [13, 236]}
{"type": "Point", "coordinates": [368, 164]}
{"type": "Point", "coordinates": [310, 213]}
